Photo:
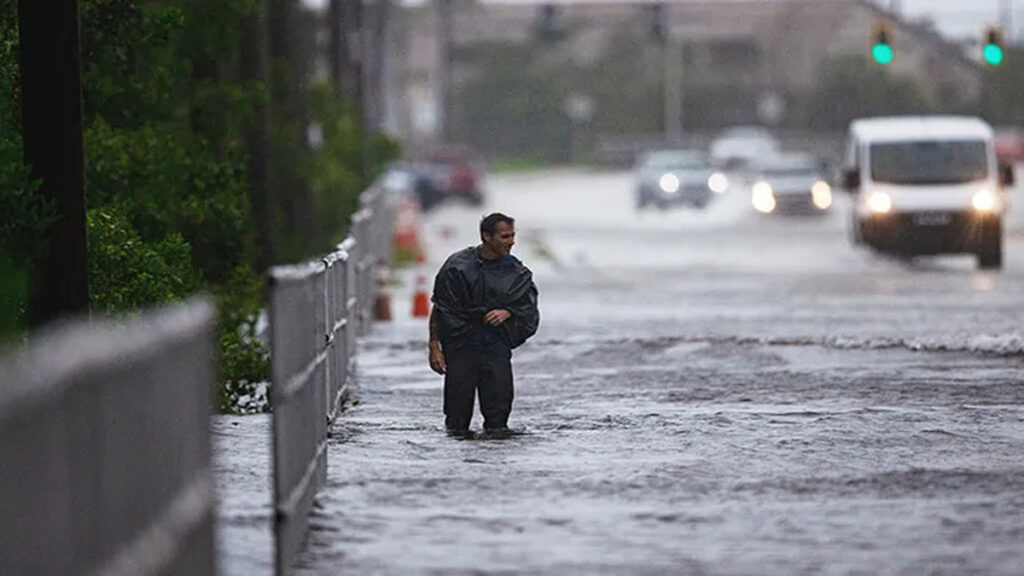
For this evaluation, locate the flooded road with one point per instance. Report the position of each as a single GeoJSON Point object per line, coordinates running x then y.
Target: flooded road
{"type": "Point", "coordinates": [709, 393]}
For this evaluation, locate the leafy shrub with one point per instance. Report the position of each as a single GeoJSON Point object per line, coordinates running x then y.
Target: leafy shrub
{"type": "Point", "coordinates": [167, 183]}
{"type": "Point", "coordinates": [127, 273]}
{"type": "Point", "coordinates": [167, 186]}
{"type": "Point", "coordinates": [244, 364]}
{"type": "Point", "coordinates": [24, 218]}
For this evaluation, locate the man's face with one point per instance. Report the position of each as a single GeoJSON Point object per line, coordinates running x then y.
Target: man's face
{"type": "Point", "coordinates": [502, 240]}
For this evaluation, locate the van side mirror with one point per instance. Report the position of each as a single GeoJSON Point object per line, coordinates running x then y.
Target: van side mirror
{"type": "Point", "coordinates": [1006, 176]}
{"type": "Point", "coordinates": [851, 179]}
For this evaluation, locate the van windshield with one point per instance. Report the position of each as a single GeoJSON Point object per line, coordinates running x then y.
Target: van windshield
{"type": "Point", "coordinates": [929, 162]}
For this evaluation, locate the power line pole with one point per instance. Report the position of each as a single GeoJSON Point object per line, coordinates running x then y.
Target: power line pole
{"type": "Point", "coordinates": [378, 54]}
{"type": "Point", "coordinates": [254, 72]}
{"type": "Point", "coordinates": [336, 39]}
{"type": "Point", "coordinates": [51, 125]}
{"type": "Point", "coordinates": [444, 60]}
{"type": "Point", "coordinates": [1006, 19]}
{"type": "Point", "coordinates": [673, 85]}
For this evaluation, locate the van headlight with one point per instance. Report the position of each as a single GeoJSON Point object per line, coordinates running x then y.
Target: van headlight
{"type": "Point", "coordinates": [879, 203]}
{"type": "Point", "coordinates": [763, 197]}
{"type": "Point", "coordinates": [985, 201]}
{"type": "Point", "coordinates": [821, 195]}
{"type": "Point", "coordinates": [669, 183]}
{"type": "Point", "coordinates": [718, 183]}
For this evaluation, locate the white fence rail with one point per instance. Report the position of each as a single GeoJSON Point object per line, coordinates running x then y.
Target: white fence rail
{"type": "Point", "coordinates": [104, 429]}
{"type": "Point", "coordinates": [105, 449]}
{"type": "Point", "coordinates": [316, 311]}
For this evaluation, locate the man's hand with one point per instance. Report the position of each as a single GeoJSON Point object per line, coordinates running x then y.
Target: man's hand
{"type": "Point", "coordinates": [497, 317]}
{"type": "Point", "coordinates": [437, 363]}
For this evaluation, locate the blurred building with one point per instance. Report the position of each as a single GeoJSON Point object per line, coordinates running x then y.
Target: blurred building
{"type": "Point", "coordinates": [768, 49]}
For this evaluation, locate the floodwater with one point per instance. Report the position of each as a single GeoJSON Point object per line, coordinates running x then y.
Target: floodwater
{"type": "Point", "coordinates": [709, 393]}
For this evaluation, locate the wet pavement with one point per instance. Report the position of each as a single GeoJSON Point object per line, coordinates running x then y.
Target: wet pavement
{"type": "Point", "coordinates": [709, 393]}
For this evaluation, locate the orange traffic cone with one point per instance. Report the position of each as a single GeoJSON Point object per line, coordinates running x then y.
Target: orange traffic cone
{"type": "Point", "coordinates": [420, 298]}
{"type": "Point", "coordinates": [382, 306]}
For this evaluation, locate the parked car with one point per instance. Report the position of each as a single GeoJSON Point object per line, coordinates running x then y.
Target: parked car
{"type": "Point", "coordinates": [672, 177]}
{"type": "Point", "coordinates": [459, 173]}
{"type": "Point", "coordinates": [1009, 144]}
{"type": "Point", "coordinates": [927, 185]}
{"type": "Point", "coordinates": [790, 183]}
{"type": "Point", "coordinates": [735, 148]}
{"type": "Point", "coordinates": [419, 179]}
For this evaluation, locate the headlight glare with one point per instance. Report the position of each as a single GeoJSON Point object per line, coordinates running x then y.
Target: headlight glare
{"type": "Point", "coordinates": [718, 183]}
{"type": "Point", "coordinates": [985, 201]}
{"type": "Point", "coordinates": [879, 203]}
{"type": "Point", "coordinates": [763, 197]}
{"type": "Point", "coordinates": [669, 183]}
{"type": "Point", "coordinates": [821, 195]}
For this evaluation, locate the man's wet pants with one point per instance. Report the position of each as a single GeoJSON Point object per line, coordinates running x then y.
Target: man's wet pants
{"type": "Point", "coordinates": [472, 371]}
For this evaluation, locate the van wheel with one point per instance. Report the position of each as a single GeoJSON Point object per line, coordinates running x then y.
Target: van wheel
{"type": "Point", "coordinates": [991, 257]}
{"type": "Point", "coordinates": [990, 253]}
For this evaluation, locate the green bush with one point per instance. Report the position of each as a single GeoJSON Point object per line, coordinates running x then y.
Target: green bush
{"type": "Point", "coordinates": [244, 363]}
{"type": "Point", "coordinates": [168, 191]}
{"type": "Point", "coordinates": [167, 183]}
{"type": "Point", "coordinates": [126, 273]}
{"type": "Point", "coordinates": [24, 217]}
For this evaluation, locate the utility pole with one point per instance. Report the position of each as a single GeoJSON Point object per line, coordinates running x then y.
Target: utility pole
{"type": "Point", "coordinates": [336, 40]}
{"type": "Point", "coordinates": [379, 56]}
{"type": "Point", "coordinates": [51, 126]}
{"type": "Point", "coordinates": [672, 61]}
{"type": "Point", "coordinates": [350, 51]}
{"type": "Point", "coordinates": [361, 61]}
{"type": "Point", "coordinates": [1006, 19]}
{"type": "Point", "coordinates": [444, 61]}
{"type": "Point", "coordinates": [254, 72]}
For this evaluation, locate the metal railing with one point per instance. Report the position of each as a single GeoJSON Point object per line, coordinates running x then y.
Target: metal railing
{"type": "Point", "coordinates": [105, 449]}
{"type": "Point", "coordinates": [317, 310]}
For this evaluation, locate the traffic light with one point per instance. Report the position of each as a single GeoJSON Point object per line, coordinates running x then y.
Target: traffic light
{"type": "Point", "coordinates": [992, 48]}
{"type": "Point", "coordinates": [881, 47]}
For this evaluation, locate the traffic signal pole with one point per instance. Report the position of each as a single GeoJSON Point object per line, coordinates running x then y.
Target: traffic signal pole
{"type": "Point", "coordinates": [51, 127]}
{"type": "Point", "coordinates": [672, 61]}
{"type": "Point", "coordinates": [1006, 18]}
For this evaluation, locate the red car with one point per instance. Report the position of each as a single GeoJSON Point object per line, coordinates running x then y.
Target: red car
{"type": "Point", "coordinates": [1009, 144]}
{"type": "Point", "coordinates": [460, 175]}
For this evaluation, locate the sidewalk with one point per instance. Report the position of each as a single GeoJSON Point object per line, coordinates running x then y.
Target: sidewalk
{"type": "Point", "coordinates": [242, 456]}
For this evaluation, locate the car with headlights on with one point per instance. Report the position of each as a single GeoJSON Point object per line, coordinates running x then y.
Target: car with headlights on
{"type": "Point", "coordinates": [790, 183]}
{"type": "Point", "coordinates": [676, 177]}
{"type": "Point", "coordinates": [927, 185]}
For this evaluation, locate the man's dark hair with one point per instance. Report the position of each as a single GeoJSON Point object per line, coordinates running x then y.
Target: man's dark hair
{"type": "Point", "coordinates": [490, 222]}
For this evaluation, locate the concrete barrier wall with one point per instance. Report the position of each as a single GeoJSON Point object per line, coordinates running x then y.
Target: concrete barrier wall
{"type": "Point", "coordinates": [105, 448]}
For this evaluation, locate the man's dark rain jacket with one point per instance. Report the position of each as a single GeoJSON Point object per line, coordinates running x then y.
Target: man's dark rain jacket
{"type": "Point", "coordinates": [466, 289]}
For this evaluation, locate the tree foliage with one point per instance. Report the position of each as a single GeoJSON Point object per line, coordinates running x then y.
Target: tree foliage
{"type": "Point", "coordinates": [167, 188]}
{"type": "Point", "coordinates": [851, 87]}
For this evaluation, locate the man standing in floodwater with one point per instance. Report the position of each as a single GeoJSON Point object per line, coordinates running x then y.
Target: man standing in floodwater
{"type": "Point", "coordinates": [485, 304]}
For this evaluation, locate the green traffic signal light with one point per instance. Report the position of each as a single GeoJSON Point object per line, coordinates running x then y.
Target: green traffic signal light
{"type": "Point", "coordinates": [881, 43]}
{"type": "Point", "coordinates": [993, 54]}
{"type": "Point", "coordinates": [882, 53]}
{"type": "Point", "coordinates": [992, 46]}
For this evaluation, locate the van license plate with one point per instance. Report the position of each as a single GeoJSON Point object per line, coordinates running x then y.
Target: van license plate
{"type": "Point", "coordinates": [932, 219]}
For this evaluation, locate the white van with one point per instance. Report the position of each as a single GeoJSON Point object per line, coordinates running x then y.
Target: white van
{"type": "Point", "coordinates": [927, 185]}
